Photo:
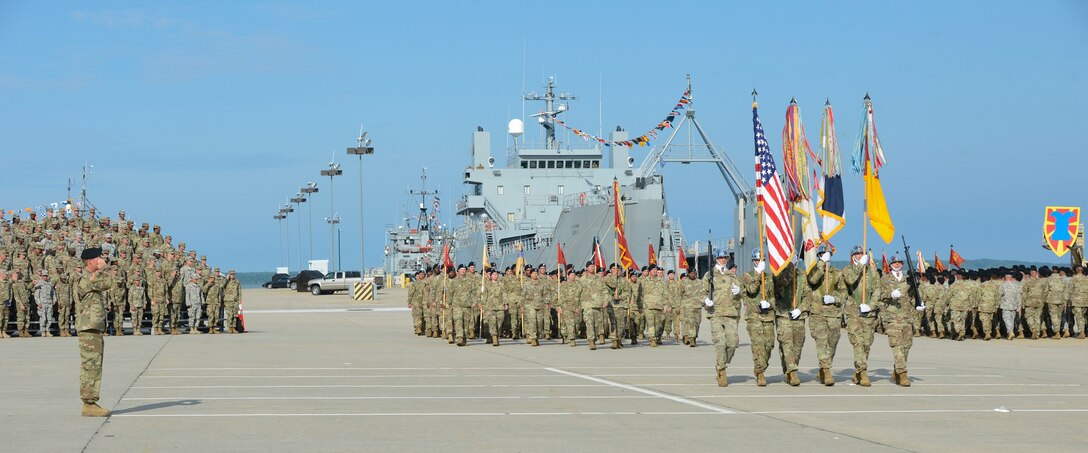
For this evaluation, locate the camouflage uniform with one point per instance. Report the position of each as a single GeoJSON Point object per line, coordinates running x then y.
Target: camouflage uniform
{"type": "Point", "coordinates": [5, 300]}
{"type": "Point", "coordinates": [90, 324]}
{"type": "Point", "coordinates": [20, 291]}
{"type": "Point", "coordinates": [415, 303]}
{"type": "Point", "coordinates": [791, 293]}
{"type": "Point", "coordinates": [897, 314]}
{"type": "Point", "coordinates": [63, 289]}
{"type": "Point", "coordinates": [962, 295]}
{"type": "Point", "coordinates": [493, 309]}
{"type": "Point", "coordinates": [621, 303]}
{"type": "Point", "coordinates": [1078, 293]}
{"type": "Point", "coordinates": [759, 322]}
{"type": "Point", "coordinates": [724, 316]}
{"type": "Point", "coordinates": [533, 293]}
{"type": "Point", "coordinates": [156, 287]}
{"type": "Point", "coordinates": [1057, 296]}
{"type": "Point", "coordinates": [137, 297]}
{"type": "Point", "coordinates": [232, 299]}
{"type": "Point", "coordinates": [194, 298]}
{"type": "Point", "coordinates": [655, 298]}
{"type": "Point", "coordinates": [570, 294]}
{"type": "Point", "coordinates": [594, 297]}
{"type": "Point", "coordinates": [1009, 292]}
{"type": "Point", "coordinates": [987, 306]}
{"type": "Point", "coordinates": [1033, 295]}
{"type": "Point", "coordinates": [213, 298]}
{"type": "Point", "coordinates": [115, 300]}
{"type": "Point", "coordinates": [512, 296]}
{"type": "Point", "coordinates": [691, 295]}
{"type": "Point", "coordinates": [861, 282]}
{"type": "Point", "coordinates": [825, 321]}
{"type": "Point", "coordinates": [549, 289]}
{"type": "Point", "coordinates": [44, 296]}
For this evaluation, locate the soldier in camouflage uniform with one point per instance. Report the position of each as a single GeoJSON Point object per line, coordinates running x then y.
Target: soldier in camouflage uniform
{"type": "Point", "coordinates": [156, 287]}
{"type": "Point", "coordinates": [533, 301]}
{"type": "Point", "coordinates": [791, 311]}
{"type": "Point", "coordinates": [620, 317]}
{"type": "Point", "coordinates": [513, 295]}
{"type": "Point", "coordinates": [194, 298]}
{"type": "Point", "coordinates": [988, 304]}
{"type": "Point", "coordinates": [691, 294]}
{"type": "Point", "coordinates": [962, 294]}
{"type": "Point", "coordinates": [759, 318]}
{"type": "Point", "coordinates": [137, 297]}
{"type": "Point", "coordinates": [595, 297]}
{"type": "Point", "coordinates": [1057, 297]}
{"type": "Point", "coordinates": [1078, 294]}
{"type": "Point", "coordinates": [5, 302]}
{"type": "Point", "coordinates": [90, 324]}
{"type": "Point", "coordinates": [897, 310]}
{"type": "Point", "coordinates": [1033, 297]}
{"type": "Point", "coordinates": [415, 302]}
{"type": "Point", "coordinates": [44, 296]}
{"type": "Point", "coordinates": [20, 291]}
{"type": "Point", "coordinates": [569, 310]}
{"type": "Point", "coordinates": [63, 288]}
{"type": "Point", "coordinates": [859, 310]}
{"type": "Point", "coordinates": [549, 290]}
{"type": "Point", "coordinates": [655, 298]}
{"type": "Point", "coordinates": [1009, 293]}
{"type": "Point", "coordinates": [493, 307]}
{"type": "Point", "coordinates": [723, 306]}
{"type": "Point", "coordinates": [232, 300]}
{"type": "Point", "coordinates": [825, 321]}
{"type": "Point", "coordinates": [213, 298]}
{"type": "Point", "coordinates": [116, 300]}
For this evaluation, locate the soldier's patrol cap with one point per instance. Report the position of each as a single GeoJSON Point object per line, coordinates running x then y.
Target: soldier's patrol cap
{"type": "Point", "coordinates": [203, 257]}
{"type": "Point", "coordinates": [109, 235]}
{"type": "Point", "coordinates": [231, 272]}
{"type": "Point", "coordinates": [43, 272]}
{"type": "Point", "coordinates": [215, 269]}
{"type": "Point", "coordinates": [155, 227]}
{"type": "Point", "coordinates": [181, 244]}
{"type": "Point", "coordinates": [90, 253]}
{"type": "Point", "coordinates": [856, 250]}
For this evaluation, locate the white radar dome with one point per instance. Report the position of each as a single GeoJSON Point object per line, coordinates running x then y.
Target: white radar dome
{"type": "Point", "coordinates": [515, 127]}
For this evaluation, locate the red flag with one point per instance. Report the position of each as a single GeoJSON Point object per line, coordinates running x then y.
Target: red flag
{"type": "Point", "coordinates": [447, 263]}
{"type": "Point", "coordinates": [652, 256]}
{"type": "Point", "coordinates": [683, 264]}
{"type": "Point", "coordinates": [954, 258]}
{"type": "Point", "coordinates": [625, 259]}
{"type": "Point", "coordinates": [598, 258]}
{"type": "Point", "coordinates": [561, 259]}
{"type": "Point", "coordinates": [937, 264]}
{"type": "Point", "coordinates": [884, 263]}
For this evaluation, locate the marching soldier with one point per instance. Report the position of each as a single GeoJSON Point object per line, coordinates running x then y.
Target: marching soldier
{"type": "Point", "coordinates": [1078, 293]}
{"type": "Point", "coordinates": [723, 304]}
{"type": "Point", "coordinates": [493, 307]}
{"type": "Point", "coordinates": [655, 298]}
{"type": "Point", "coordinates": [759, 317]}
{"type": "Point", "coordinates": [691, 292]}
{"type": "Point", "coordinates": [1057, 296]}
{"type": "Point", "coordinates": [512, 295]}
{"type": "Point", "coordinates": [533, 292]}
{"type": "Point", "coordinates": [1033, 296]}
{"type": "Point", "coordinates": [791, 311]}
{"type": "Point", "coordinates": [621, 299]}
{"type": "Point", "coordinates": [825, 321]}
{"type": "Point", "coordinates": [896, 295]}
{"type": "Point", "coordinates": [861, 282]}
{"type": "Point", "coordinates": [594, 298]}
{"type": "Point", "coordinates": [961, 296]}
{"type": "Point", "coordinates": [569, 310]}
{"type": "Point", "coordinates": [1009, 292]}
{"type": "Point", "coordinates": [988, 303]}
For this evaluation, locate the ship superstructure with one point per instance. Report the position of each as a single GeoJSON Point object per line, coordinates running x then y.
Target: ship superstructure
{"type": "Point", "coordinates": [414, 244]}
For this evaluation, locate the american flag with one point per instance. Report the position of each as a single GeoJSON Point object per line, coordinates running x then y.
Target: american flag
{"type": "Point", "coordinates": [776, 220]}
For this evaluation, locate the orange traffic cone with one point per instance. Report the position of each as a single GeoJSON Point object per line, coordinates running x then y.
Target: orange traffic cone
{"type": "Point", "coordinates": [241, 318]}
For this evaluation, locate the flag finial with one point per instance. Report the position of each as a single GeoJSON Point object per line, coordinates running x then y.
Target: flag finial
{"type": "Point", "coordinates": [793, 101]}
{"type": "Point", "coordinates": [827, 101]}
{"type": "Point", "coordinates": [867, 97]}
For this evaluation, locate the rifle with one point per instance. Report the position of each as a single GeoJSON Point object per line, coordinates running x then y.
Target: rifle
{"type": "Point", "coordinates": [912, 274]}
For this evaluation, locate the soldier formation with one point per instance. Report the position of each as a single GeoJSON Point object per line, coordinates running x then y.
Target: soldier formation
{"type": "Point", "coordinates": [150, 278]}
{"type": "Point", "coordinates": [619, 306]}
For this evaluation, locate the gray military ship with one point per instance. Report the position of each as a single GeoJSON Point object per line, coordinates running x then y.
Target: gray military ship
{"type": "Point", "coordinates": [560, 193]}
{"type": "Point", "coordinates": [414, 243]}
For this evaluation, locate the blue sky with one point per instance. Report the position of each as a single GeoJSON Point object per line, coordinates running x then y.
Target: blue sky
{"type": "Point", "coordinates": [205, 116]}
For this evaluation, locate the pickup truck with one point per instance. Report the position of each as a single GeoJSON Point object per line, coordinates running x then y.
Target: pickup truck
{"type": "Point", "coordinates": [334, 281]}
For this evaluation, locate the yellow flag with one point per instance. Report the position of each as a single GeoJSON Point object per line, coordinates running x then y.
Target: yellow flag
{"type": "Point", "coordinates": [878, 208]}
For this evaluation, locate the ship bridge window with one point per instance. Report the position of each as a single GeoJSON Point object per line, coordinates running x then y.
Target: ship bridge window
{"type": "Point", "coordinates": [499, 190]}
{"type": "Point", "coordinates": [532, 164]}
{"type": "Point", "coordinates": [596, 164]}
{"type": "Point", "coordinates": [509, 216]}
{"type": "Point", "coordinates": [585, 164]}
{"type": "Point", "coordinates": [524, 164]}
{"type": "Point", "coordinates": [551, 164]}
{"type": "Point", "coordinates": [559, 189]}
{"type": "Point", "coordinates": [577, 164]}
{"type": "Point", "coordinates": [526, 189]}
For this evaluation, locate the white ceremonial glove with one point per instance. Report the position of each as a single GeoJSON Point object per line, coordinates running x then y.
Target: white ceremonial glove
{"type": "Point", "coordinates": [761, 266]}
{"type": "Point", "coordinates": [864, 260]}
{"type": "Point", "coordinates": [735, 289]}
{"type": "Point", "coordinates": [896, 294]}
{"type": "Point", "coordinates": [708, 302]}
{"type": "Point", "coordinates": [829, 299]}
{"type": "Point", "coordinates": [921, 307]}
{"type": "Point", "coordinates": [795, 313]}
{"type": "Point", "coordinates": [764, 305]}
{"type": "Point", "coordinates": [864, 308]}
{"type": "Point", "coordinates": [825, 257]}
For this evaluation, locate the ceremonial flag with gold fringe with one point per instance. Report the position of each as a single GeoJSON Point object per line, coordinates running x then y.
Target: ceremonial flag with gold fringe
{"type": "Point", "coordinates": [683, 260]}
{"type": "Point", "coordinates": [884, 266]}
{"type": "Point", "coordinates": [867, 159]}
{"type": "Point", "coordinates": [795, 154]}
{"type": "Point", "coordinates": [625, 259]}
{"type": "Point", "coordinates": [652, 257]}
{"type": "Point", "coordinates": [561, 259]}
{"type": "Point", "coordinates": [598, 257]}
{"type": "Point", "coordinates": [922, 264]}
{"type": "Point", "coordinates": [832, 207]}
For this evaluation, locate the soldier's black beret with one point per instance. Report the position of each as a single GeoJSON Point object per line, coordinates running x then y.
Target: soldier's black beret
{"type": "Point", "coordinates": [589, 263]}
{"type": "Point", "coordinates": [91, 253]}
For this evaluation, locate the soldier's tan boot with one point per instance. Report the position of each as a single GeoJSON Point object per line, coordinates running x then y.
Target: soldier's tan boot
{"type": "Point", "coordinates": [902, 379]}
{"type": "Point", "coordinates": [600, 339]}
{"type": "Point", "coordinates": [94, 410]}
{"type": "Point", "coordinates": [793, 379]}
{"type": "Point", "coordinates": [573, 343]}
{"type": "Point", "coordinates": [137, 332]}
{"type": "Point", "coordinates": [615, 344]}
{"type": "Point", "coordinates": [1011, 336]}
{"type": "Point", "coordinates": [49, 334]}
{"type": "Point", "coordinates": [760, 379]}
{"type": "Point", "coordinates": [194, 331]}
{"type": "Point", "coordinates": [863, 378]}
{"type": "Point", "coordinates": [987, 337]}
{"type": "Point", "coordinates": [494, 340]}
{"type": "Point", "coordinates": [24, 334]}
{"type": "Point", "coordinates": [1080, 336]}
{"type": "Point", "coordinates": [723, 380]}
{"type": "Point", "coordinates": [592, 345]}
{"type": "Point", "coordinates": [828, 379]}
{"type": "Point", "coordinates": [820, 375]}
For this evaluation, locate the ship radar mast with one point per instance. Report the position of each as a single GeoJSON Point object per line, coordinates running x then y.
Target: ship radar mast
{"type": "Point", "coordinates": [424, 221]}
{"type": "Point", "coordinates": [547, 117]}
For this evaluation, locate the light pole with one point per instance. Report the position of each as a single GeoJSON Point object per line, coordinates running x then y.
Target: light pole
{"type": "Point", "coordinates": [333, 222]}
{"type": "Point", "coordinates": [299, 199]}
{"type": "Point", "coordinates": [287, 209]}
{"type": "Point", "coordinates": [363, 149]}
{"type": "Point", "coordinates": [334, 170]}
{"type": "Point", "coordinates": [310, 188]}
{"type": "Point", "coordinates": [279, 230]}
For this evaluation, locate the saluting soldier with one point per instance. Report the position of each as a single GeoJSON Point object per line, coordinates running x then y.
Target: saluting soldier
{"type": "Point", "coordinates": [90, 324]}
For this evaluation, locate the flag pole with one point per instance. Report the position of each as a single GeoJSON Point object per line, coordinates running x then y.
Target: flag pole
{"type": "Point", "coordinates": [762, 275]}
